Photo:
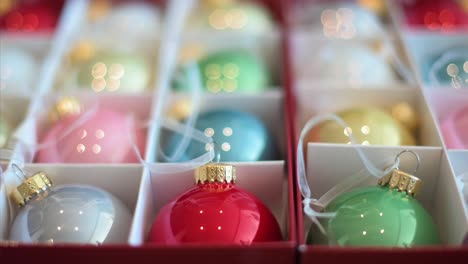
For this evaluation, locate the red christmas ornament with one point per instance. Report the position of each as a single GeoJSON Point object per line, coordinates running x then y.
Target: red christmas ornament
{"type": "Point", "coordinates": [215, 211]}
{"type": "Point", "coordinates": [437, 15]}
{"type": "Point", "coordinates": [30, 16]}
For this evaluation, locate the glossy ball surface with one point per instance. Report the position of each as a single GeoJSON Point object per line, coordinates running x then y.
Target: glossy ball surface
{"type": "Point", "coordinates": [73, 214]}
{"type": "Point", "coordinates": [240, 136]}
{"type": "Point", "coordinates": [31, 16]}
{"type": "Point", "coordinates": [353, 64]}
{"type": "Point", "coordinates": [450, 69]}
{"type": "Point", "coordinates": [233, 16]}
{"type": "Point", "coordinates": [115, 72]}
{"type": "Point", "coordinates": [214, 214]}
{"type": "Point", "coordinates": [376, 216]}
{"type": "Point", "coordinates": [368, 125]}
{"type": "Point", "coordinates": [101, 137]}
{"type": "Point", "coordinates": [230, 71]}
{"type": "Point", "coordinates": [18, 71]}
{"type": "Point", "coordinates": [455, 129]}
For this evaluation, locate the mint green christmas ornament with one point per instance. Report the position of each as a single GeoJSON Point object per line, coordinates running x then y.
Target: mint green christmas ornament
{"type": "Point", "coordinates": [115, 72]}
{"type": "Point", "coordinates": [228, 72]}
{"type": "Point", "coordinates": [385, 216]}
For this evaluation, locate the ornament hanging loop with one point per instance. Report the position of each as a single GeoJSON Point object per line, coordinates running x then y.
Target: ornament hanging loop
{"type": "Point", "coordinates": [22, 176]}
{"type": "Point", "coordinates": [217, 152]}
{"type": "Point", "coordinates": [418, 160]}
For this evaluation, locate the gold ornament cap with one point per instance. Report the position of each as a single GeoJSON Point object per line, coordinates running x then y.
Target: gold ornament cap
{"type": "Point", "coordinates": [35, 186]}
{"type": "Point", "coordinates": [65, 106]}
{"type": "Point", "coordinates": [215, 173]}
{"type": "Point", "coordinates": [402, 181]}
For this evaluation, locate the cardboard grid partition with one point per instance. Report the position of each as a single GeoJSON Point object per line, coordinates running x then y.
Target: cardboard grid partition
{"type": "Point", "coordinates": [328, 164]}
{"type": "Point", "coordinates": [136, 186]}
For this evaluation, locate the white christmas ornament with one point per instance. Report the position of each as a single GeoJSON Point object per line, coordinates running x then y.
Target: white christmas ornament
{"type": "Point", "coordinates": [18, 71]}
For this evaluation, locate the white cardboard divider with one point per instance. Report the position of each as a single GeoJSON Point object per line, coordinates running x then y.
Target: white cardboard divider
{"type": "Point", "coordinates": [122, 180]}
{"type": "Point", "coordinates": [321, 101]}
{"type": "Point", "coordinates": [437, 195]}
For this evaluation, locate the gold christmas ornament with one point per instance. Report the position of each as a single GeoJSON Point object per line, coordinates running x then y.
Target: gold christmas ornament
{"type": "Point", "coordinates": [180, 109]}
{"type": "Point", "coordinates": [405, 114]}
{"type": "Point", "coordinates": [65, 106]}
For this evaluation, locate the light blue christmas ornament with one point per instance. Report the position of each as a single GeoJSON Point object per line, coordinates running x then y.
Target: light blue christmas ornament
{"type": "Point", "coordinates": [240, 136]}
{"type": "Point", "coordinates": [450, 69]}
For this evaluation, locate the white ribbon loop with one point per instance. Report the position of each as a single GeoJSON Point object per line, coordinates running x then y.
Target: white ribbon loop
{"type": "Point", "coordinates": [345, 185]}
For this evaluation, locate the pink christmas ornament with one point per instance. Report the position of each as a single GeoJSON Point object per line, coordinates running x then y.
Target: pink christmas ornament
{"type": "Point", "coordinates": [455, 129]}
{"type": "Point", "coordinates": [101, 137]}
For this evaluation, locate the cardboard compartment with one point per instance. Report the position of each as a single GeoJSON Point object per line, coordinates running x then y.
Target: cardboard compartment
{"type": "Point", "coordinates": [136, 106]}
{"type": "Point", "coordinates": [438, 195]}
{"type": "Point", "coordinates": [99, 36]}
{"type": "Point", "coordinates": [423, 56]}
{"type": "Point", "coordinates": [260, 105]}
{"type": "Point", "coordinates": [266, 180]}
{"type": "Point", "coordinates": [122, 181]}
{"type": "Point", "coordinates": [311, 102]}
{"type": "Point", "coordinates": [264, 46]}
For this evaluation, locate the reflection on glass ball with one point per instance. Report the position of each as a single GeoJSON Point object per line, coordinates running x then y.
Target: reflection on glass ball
{"type": "Point", "coordinates": [454, 129]}
{"type": "Point", "coordinates": [115, 72]}
{"type": "Point", "coordinates": [233, 16]}
{"type": "Point", "coordinates": [450, 69]}
{"type": "Point", "coordinates": [5, 131]}
{"type": "Point", "coordinates": [376, 216]}
{"type": "Point", "coordinates": [100, 137]}
{"type": "Point", "coordinates": [240, 137]}
{"type": "Point", "coordinates": [18, 71]}
{"type": "Point", "coordinates": [368, 125]}
{"type": "Point", "coordinates": [73, 214]}
{"type": "Point", "coordinates": [228, 72]}
{"type": "Point", "coordinates": [353, 64]}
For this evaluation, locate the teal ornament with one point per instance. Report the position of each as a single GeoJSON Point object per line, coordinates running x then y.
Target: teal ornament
{"type": "Point", "coordinates": [227, 72]}
{"type": "Point", "coordinates": [240, 136]}
{"type": "Point", "coordinates": [383, 216]}
{"type": "Point", "coordinates": [450, 69]}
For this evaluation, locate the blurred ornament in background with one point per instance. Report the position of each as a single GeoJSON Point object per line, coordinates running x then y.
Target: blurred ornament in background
{"type": "Point", "coordinates": [455, 129]}
{"type": "Point", "coordinates": [368, 125]}
{"type": "Point", "coordinates": [82, 52]}
{"type": "Point", "coordinates": [180, 109]}
{"type": "Point", "coordinates": [240, 136]}
{"type": "Point", "coordinates": [114, 71]}
{"type": "Point", "coordinates": [5, 131]}
{"type": "Point", "coordinates": [377, 6]}
{"type": "Point", "coordinates": [127, 22]}
{"type": "Point", "coordinates": [353, 64]}
{"type": "Point", "coordinates": [342, 20]}
{"type": "Point", "coordinates": [66, 106]}
{"type": "Point", "coordinates": [228, 71]}
{"type": "Point", "coordinates": [29, 16]}
{"type": "Point", "coordinates": [215, 211]}
{"type": "Point", "coordinates": [231, 16]}
{"type": "Point", "coordinates": [71, 213]}
{"type": "Point", "coordinates": [387, 216]}
{"type": "Point", "coordinates": [450, 68]}
{"type": "Point", "coordinates": [406, 115]}
{"type": "Point", "coordinates": [102, 136]}
{"type": "Point", "coordinates": [18, 71]}
{"type": "Point", "coordinates": [98, 9]}
{"type": "Point", "coordinates": [436, 15]}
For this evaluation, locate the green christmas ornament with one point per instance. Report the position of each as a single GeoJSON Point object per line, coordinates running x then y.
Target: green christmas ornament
{"type": "Point", "coordinates": [115, 72]}
{"type": "Point", "coordinates": [228, 71]}
{"type": "Point", "coordinates": [386, 216]}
